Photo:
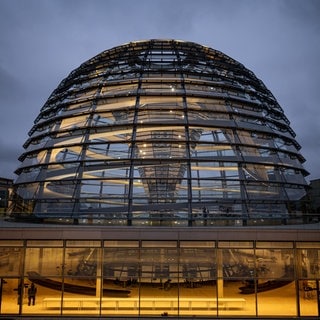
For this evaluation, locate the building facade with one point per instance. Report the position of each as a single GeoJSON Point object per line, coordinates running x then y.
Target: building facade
{"type": "Point", "coordinates": [183, 272]}
{"type": "Point", "coordinates": [165, 180]}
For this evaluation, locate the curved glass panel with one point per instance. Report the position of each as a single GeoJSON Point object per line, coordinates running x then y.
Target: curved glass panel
{"type": "Point", "coordinates": [161, 132]}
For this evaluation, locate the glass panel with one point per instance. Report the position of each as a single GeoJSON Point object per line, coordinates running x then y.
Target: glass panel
{"type": "Point", "coordinates": [271, 244]}
{"type": "Point", "coordinates": [41, 262]}
{"type": "Point", "coordinates": [235, 282]}
{"type": "Point", "coordinates": [44, 243]}
{"type": "Point", "coordinates": [275, 285]}
{"type": "Point", "coordinates": [197, 244]}
{"type": "Point", "coordinates": [116, 243]}
{"type": "Point", "coordinates": [159, 283]}
{"type": "Point", "coordinates": [308, 265]}
{"type": "Point", "coordinates": [278, 298]}
{"type": "Point", "coordinates": [82, 243]}
{"type": "Point", "coordinates": [11, 262]}
{"type": "Point", "coordinates": [231, 302]}
{"type": "Point", "coordinates": [197, 295]}
{"type": "Point", "coordinates": [158, 244]}
{"type": "Point", "coordinates": [81, 295]}
{"type": "Point", "coordinates": [11, 243]}
{"type": "Point", "coordinates": [82, 283]}
{"type": "Point", "coordinates": [121, 273]}
{"type": "Point", "coordinates": [235, 244]}
{"type": "Point", "coordinates": [12, 295]}
{"type": "Point", "coordinates": [308, 297]}
{"type": "Point", "coordinates": [42, 297]}
{"type": "Point", "coordinates": [308, 245]}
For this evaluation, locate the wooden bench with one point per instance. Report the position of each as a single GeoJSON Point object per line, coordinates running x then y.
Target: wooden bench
{"type": "Point", "coordinates": [144, 303]}
{"type": "Point", "coordinates": [91, 303]}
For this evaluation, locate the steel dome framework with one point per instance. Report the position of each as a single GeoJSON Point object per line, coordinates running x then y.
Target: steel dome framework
{"type": "Point", "coordinates": [161, 132]}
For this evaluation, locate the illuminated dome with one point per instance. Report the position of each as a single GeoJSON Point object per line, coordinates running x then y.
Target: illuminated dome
{"type": "Point", "coordinates": [161, 132]}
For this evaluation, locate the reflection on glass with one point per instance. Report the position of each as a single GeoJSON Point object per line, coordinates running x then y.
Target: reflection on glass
{"type": "Point", "coordinates": [154, 278]}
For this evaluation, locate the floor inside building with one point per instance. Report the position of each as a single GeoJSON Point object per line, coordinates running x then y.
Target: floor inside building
{"type": "Point", "coordinates": [157, 301]}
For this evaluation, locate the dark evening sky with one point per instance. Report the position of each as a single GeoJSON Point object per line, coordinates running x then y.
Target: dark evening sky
{"type": "Point", "coordinates": [42, 41]}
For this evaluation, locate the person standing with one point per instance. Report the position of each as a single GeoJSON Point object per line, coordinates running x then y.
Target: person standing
{"type": "Point", "coordinates": [32, 291]}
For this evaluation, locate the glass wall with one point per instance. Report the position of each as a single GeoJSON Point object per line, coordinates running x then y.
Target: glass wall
{"type": "Point", "coordinates": [275, 269]}
{"type": "Point", "coordinates": [308, 272]}
{"type": "Point", "coordinates": [162, 132]}
{"type": "Point", "coordinates": [159, 278]}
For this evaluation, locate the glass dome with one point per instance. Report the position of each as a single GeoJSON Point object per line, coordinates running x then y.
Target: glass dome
{"type": "Point", "coordinates": [161, 132]}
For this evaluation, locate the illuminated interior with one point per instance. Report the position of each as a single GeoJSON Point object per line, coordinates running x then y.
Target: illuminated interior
{"type": "Point", "coordinates": [146, 278]}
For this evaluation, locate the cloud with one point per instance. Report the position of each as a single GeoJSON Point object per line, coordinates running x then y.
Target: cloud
{"type": "Point", "coordinates": [9, 83]}
{"type": "Point", "coordinates": [42, 41]}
